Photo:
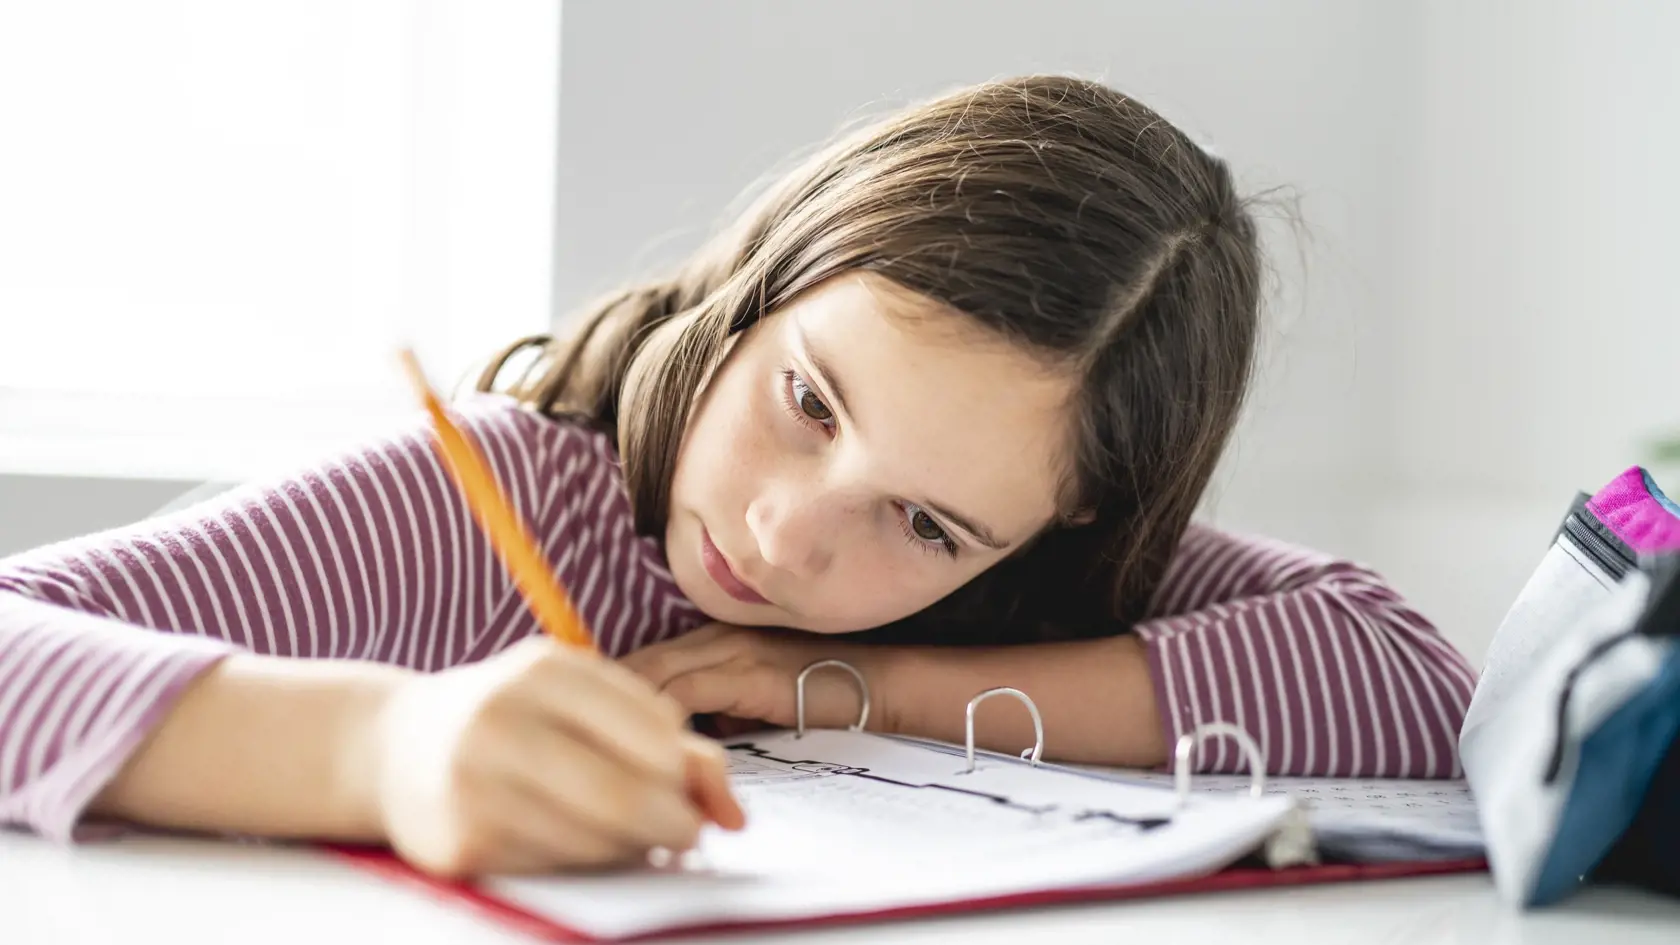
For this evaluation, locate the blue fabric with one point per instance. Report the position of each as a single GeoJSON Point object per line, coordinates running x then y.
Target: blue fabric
{"type": "Point", "coordinates": [1661, 497]}
{"type": "Point", "coordinates": [1617, 764]}
{"type": "Point", "coordinates": [1647, 854]}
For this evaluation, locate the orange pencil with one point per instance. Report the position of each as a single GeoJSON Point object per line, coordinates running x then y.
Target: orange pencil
{"type": "Point", "coordinates": [518, 552]}
{"type": "Point", "coordinates": [508, 534]}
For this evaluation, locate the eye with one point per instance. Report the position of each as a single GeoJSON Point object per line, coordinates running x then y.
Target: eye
{"type": "Point", "coordinates": [922, 530]}
{"type": "Point", "coordinates": [809, 403]}
{"type": "Point", "coordinates": [803, 403]}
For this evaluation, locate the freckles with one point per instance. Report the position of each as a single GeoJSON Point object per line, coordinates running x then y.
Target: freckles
{"type": "Point", "coordinates": [741, 432]}
{"type": "Point", "coordinates": [719, 419]}
{"type": "Point", "coordinates": [887, 586]}
{"type": "Point", "coordinates": [732, 436]}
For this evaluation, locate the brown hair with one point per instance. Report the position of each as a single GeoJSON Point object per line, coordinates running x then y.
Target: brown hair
{"type": "Point", "coordinates": [1055, 212]}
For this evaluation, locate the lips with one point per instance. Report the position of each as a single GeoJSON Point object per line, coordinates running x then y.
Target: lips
{"type": "Point", "coordinates": [717, 567]}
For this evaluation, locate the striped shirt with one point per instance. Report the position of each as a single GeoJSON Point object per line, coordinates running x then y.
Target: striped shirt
{"type": "Point", "coordinates": [372, 555]}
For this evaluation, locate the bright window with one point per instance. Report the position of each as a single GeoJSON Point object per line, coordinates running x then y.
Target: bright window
{"type": "Point", "coordinates": [219, 220]}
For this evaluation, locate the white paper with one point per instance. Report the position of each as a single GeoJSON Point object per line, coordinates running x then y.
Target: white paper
{"type": "Point", "coordinates": [841, 822]}
{"type": "Point", "coordinates": [1367, 819]}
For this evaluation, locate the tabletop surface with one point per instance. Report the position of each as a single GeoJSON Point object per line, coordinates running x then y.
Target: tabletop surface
{"type": "Point", "coordinates": [161, 889]}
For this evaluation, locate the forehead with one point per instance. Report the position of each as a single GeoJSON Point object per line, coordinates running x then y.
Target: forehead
{"type": "Point", "coordinates": [945, 409]}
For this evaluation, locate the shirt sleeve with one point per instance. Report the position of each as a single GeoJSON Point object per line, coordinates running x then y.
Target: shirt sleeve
{"type": "Point", "coordinates": [1318, 659]}
{"type": "Point", "coordinates": [371, 555]}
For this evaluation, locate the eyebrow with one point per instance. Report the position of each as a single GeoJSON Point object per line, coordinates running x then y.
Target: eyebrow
{"type": "Point", "coordinates": [828, 379]}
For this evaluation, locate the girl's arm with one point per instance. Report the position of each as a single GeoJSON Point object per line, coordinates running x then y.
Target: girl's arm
{"type": "Point", "coordinates": [371, 557]}
{"type": "Point", "coordinates": [1318, 658]}
{"type": "Point", "coordinates": [1322, 662]}
{"type": "Point", "coordinates": [539, 758]}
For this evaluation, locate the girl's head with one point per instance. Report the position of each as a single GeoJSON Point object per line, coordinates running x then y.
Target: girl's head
{"type": "Point", "coordinates": [963, 374]}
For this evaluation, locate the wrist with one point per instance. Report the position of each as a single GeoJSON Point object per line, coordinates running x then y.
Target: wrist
{"type": "Point", "coordinates": [892, 672]}
{"type": "Point", "coordinates": [358, 765]}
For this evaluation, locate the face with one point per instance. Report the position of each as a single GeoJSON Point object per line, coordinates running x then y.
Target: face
{"type": "Point", "coordinates": [859, 454]}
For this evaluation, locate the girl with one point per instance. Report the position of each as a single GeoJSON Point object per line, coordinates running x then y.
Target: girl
{"type": "Point", "coordinates": [958, 381]}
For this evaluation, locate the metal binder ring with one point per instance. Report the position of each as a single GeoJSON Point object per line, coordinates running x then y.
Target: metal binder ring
{"type": "Point", "coordinates": [799, 694]}
{"type": "Point", "coordinates": [1037, 749]}
{"type": "Point", "coordinates": [1188, 743]}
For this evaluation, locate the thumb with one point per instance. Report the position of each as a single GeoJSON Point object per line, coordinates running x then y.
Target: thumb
{"type": "Point", "coordinates": [707, 781]}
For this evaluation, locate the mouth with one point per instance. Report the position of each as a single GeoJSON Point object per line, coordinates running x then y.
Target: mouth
{"type": "Point", "coordinates": [717, 567]}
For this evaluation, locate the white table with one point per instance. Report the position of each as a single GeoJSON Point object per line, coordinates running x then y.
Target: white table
{"type": "Point", "coordinates": [144, 890]}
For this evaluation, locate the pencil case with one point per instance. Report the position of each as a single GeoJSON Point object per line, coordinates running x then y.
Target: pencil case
{"type": "Point", "coordinates": [1570, 742]}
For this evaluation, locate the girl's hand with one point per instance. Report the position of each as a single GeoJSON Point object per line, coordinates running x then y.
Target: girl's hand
{"type": "Point", "coordinates": [750, 674]}
{"type": "Point", "coordinates": [541, 758]}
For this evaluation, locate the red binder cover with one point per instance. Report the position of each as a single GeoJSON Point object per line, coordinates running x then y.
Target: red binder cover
{"type": "Point", "coordinates": [1239, 877]}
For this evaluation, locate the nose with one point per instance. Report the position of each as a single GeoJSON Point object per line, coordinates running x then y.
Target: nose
{"type": "Point", "coordinates": [797, 526]}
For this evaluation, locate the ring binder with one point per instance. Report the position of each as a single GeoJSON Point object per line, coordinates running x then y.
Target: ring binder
{"type": "Point", "coordinates": [1003, 834]}
{"type": "Point", "coordinates": [799, 694]}
{"type": "Point", "coordinates": [1292, 843]}
{"type": "Point", "coordinates": [1189, 743]}
{"type": "Point", "coordinates": [1037, 749]}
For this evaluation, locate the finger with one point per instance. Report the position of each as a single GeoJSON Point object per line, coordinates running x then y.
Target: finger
{"type": "Point", "coordinates": [596, 787]}
{"type": "Point", "coordinates": [614, 711]}
{"type": "Point", "coordinates": [555, 663]}
{"type": "Point", "coordinates": [708, 784]}
{"type": "Point", "coordinates": [505, 851]}
{"type": "Point", "coordinates": [714, 689]}
{"type": "Point", "coordinates": [537, 836]}
{"type": "Point", "coordinates": [621, 679]}
{"type": "Point", "coordinates": [514, 858]}
{"type": "Point", "coordinates": [489, 855]}
{"type": "Point", "coordinates": [750, 690]}
{"type": "Point", "coordinates": [709, 646]}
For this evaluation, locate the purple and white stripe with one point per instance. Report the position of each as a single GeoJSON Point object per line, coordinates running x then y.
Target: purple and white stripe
{"type": "Point", "coordinates": [1319, 660]}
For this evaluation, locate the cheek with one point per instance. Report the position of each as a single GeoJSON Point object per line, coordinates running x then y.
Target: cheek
{"type": "Point", "coordinates": [887, 583]}
{"type": "Point", "coordinates": [729, 439]}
